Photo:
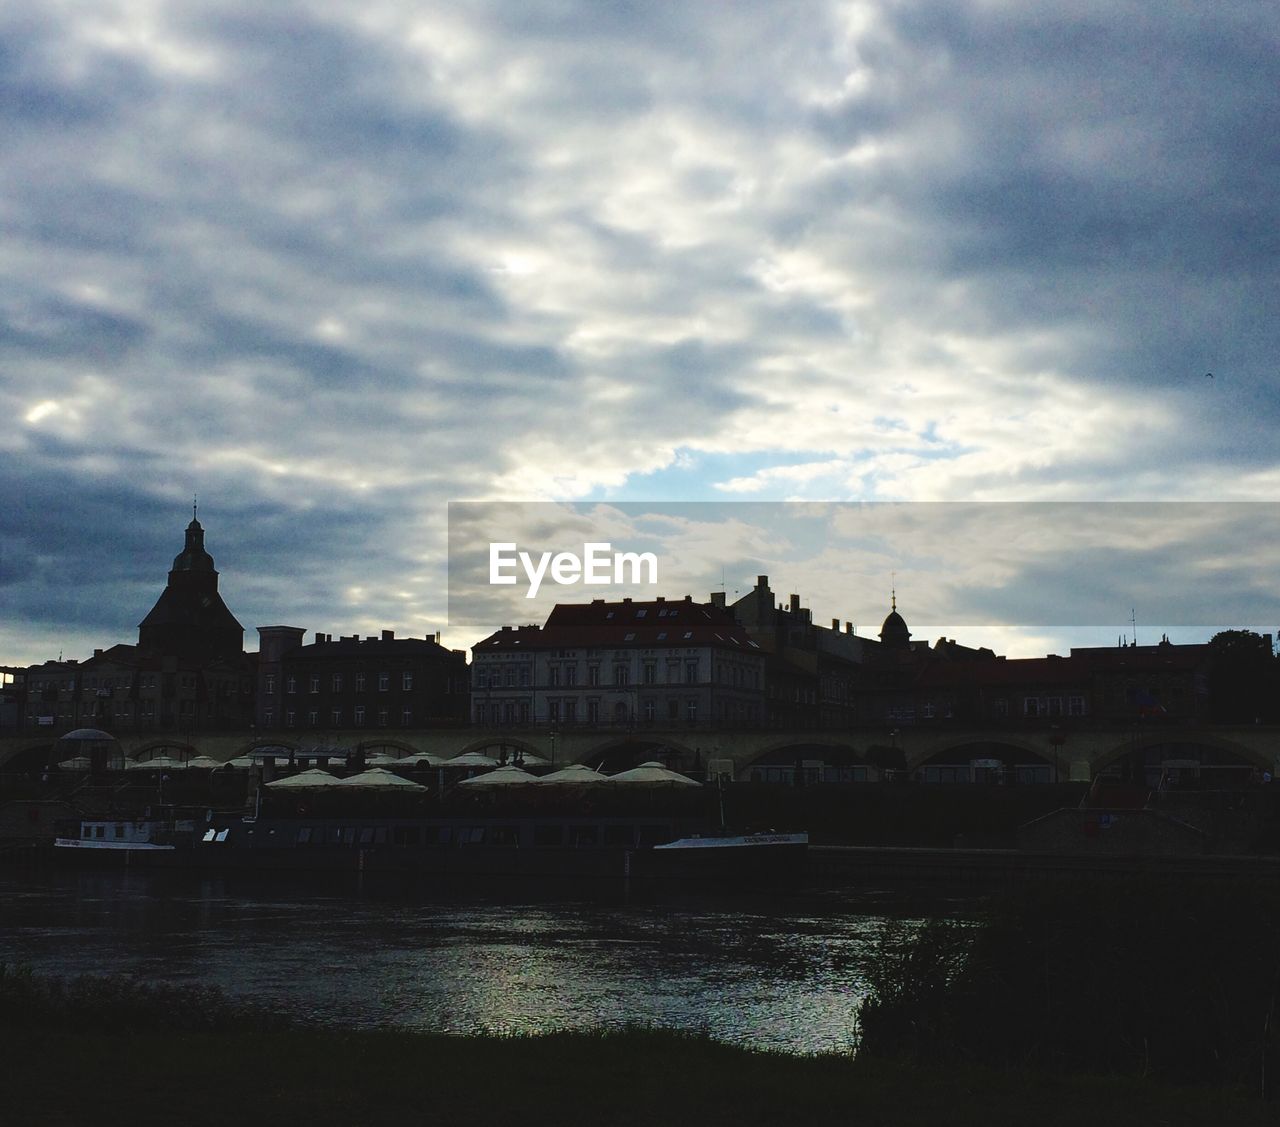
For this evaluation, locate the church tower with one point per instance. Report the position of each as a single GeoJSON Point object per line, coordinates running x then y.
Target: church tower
{"type": "Point", "coordinates": [190, 621]}
{"type": "Point", "coordinates": [894, 634]}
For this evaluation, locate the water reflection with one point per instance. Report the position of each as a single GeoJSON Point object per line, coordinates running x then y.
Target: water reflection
{"type": "Point", "coordinates": [781, 972]}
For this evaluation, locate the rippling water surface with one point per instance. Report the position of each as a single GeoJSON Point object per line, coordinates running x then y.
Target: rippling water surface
{"type": "Point", "coordinates": [767, 970]}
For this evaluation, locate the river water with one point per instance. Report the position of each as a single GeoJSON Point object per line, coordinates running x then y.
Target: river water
{"type": "Point", "coordinates": [782, 971]}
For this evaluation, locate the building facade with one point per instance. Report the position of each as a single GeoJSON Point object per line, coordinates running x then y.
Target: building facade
{"type": "Point", "coordinates": [628, 664]}
{"type": "Point", "coordinates": [378, 682]}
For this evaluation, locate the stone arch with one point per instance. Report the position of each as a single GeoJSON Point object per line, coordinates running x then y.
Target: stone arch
{"type": "Point", "coordinates": [162, 745]}
{"type": "Point", "coordinates": [32, 757]}
{"type": "Point", "coordinates": [639, 748]}
{"type": "Point", "coordinates": [378, 744]}
{"type": "Point", "coordinates": [1018, 761]}
{"type": "Point", "coordinates": [783, 761]}
{"type": "Point", "coordinates": [249, 746]}
{"type": "Point", "coordinates": [1223, 750]}
{"type": "Point", "coordinates": [777, 747]}
{"type": "Point", "coordinates": [485, 742]}
{"type": "Point", "coordinates": [919, 756]}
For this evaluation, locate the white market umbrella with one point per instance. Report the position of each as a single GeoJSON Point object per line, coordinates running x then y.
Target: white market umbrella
{"type": "Point", "coordinates": [204, 761]}
{"type": "Point", "coordinates": [576, 774]}
{"type": "Point", "coordinates": [471, 759]}
{"type": "Point", "coordinates": [242, 762]}
{"type": "Point", "coordinates": [650, 774]}
{"type": "Point", "coordinates": [422, 759]}
{"type": "Point", "coordinates": [378, 779]}
{"type": "Point", "coordinates": [159, 763]}
{"type": "Point", "coordinates": [528, 759]}
{"type": "Point", "coordinates": [383, 761]}
{"type": "Point", "coordinates": [79, 763]}
{"type": "Point", "coordinates": [305, 780]}
{"type": "Point", "coordinates": [502, 777]}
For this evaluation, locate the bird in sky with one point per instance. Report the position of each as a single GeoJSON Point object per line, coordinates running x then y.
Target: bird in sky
{"type": "Point", "coordinates": [1208, 375]}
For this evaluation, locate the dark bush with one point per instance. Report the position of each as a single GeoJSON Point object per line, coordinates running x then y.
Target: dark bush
{"type": "Point", "coordinates": [1131, 977]}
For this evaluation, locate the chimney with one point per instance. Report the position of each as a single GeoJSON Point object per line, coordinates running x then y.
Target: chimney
{"type": "Point", "coordinates": [795, 603]}
{"type": "Point", "coordinates": [660, 599]}
{"type": "Point", "coordinates": [97, 652]}
{"type": "Point", "coordinates": [717, 599]}
{"type": "Point", "coordinates": [762, 581]}
{"type": "Point", "coordinates": [388, 635]}
{"type": "Point", "coordinates": [835, 625]}
{"type": "Point", "coordinates": [320, 638]}
{"type": "Point", "coordinates": [848, 627]}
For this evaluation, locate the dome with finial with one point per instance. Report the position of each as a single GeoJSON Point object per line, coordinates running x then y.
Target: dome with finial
{"type": "Point", "coordinates": [894, 631]}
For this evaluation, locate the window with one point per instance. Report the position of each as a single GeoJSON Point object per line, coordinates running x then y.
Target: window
{"type": "Point", "coordinates": [553, 676]}
{"type": "Point", "coordinates": [691, 672]}
{"type": "Point", "coordinates": [621, 675]}
{"type": "Point", "coordinates": [673, 710]}
{"type": "Point", "coordinates": [382, 718]}
{"type": "Point", "coordinates": [1075, 706]}
{"type": "Point", "coordinates": [313, 718]}
{"type": "Point", "coordinates": [335, 717]}
{"type": "Point", "coordinates": [384, 682]}
{"type": "Point", "coordinates": [553, 711]}
{"type": "Point", "coordinates": [359, 683]}
{"type": "Point", "coordinates": [691, 711]}
{"type": "Point", "coordinates": [571, 711]}
{"type": "Point", "coordinates": [593, 712]}
{"type": "Point", "coordinates": [315, 682]}
{"type": "Point", "coordinates": [406, 681]}
{"type": "Point", "coordinates": [291, 718]}
{"type": "Point", "coordinates": [269, 717]}
{"type": "Point", "coordinates": [291, 685]}
{"type": "Point", "coordinates": [650, 672]}
{"type": "Point", "coordinates": [1031, 706]}
{"type": "Point", "coordinates": [270, 686]}
{"type": "Point", "coordinates": [571, 675]}
{"type": "Point", "coordinates": [593, 675]}
{"type": "Point", "coordinates": [406, 717]}
{"type": "Point", "coordinates": [1000, 706]}
{"type": "Point", "coordinates": [649, 707]}
{"type": "Point", "coordinates": [511, 678]}
{"type": "Point", "coordinates": [336, 683]}
{"type": "Point", "coordinates": [524, 676]}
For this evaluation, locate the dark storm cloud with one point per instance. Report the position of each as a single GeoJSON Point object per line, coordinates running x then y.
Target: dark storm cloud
{"type": "Point", "coordinates": [1110, 168]}
{"type": "Point", "coordinates": [333, 265]}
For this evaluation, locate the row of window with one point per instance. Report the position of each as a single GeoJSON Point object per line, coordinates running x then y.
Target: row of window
{"type": "Point", "coordinates": [566, 675]}
{"type": "Point", "coordinates": [337, 717]}
{"type": "Point", "coordinates": [567, 712]}
{"type": "Point", "coordinates": [359, 683]}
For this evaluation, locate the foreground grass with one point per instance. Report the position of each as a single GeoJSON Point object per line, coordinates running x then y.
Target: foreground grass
{"type": "Point", "coordinates": [103, 1051]}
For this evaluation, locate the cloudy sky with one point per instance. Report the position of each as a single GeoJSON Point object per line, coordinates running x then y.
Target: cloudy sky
{"type": "Point", "coordinates": [333, 265]}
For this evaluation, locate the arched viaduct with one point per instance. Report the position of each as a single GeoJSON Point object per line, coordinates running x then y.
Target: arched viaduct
{"type": "Point", "coordinates": [1078, 753]}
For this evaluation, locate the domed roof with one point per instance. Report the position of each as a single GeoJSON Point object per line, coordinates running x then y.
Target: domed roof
{"type": "Point", "coordinates": [894, 631]}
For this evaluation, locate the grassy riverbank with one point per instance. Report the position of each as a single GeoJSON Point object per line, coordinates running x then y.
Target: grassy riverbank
{"type": "Point", "coordinates": [104, 1051]}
